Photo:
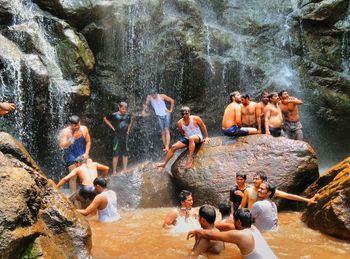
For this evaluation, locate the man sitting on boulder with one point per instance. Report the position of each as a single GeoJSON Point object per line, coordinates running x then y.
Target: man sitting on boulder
{"type": "Point", "coordinates": [207, 216]}
{"type": "Point", "coordinates": [192, 129]}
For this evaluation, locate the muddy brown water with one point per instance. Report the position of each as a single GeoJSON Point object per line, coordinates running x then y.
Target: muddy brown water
{"type": "Point", "coordinates": [139, 235]}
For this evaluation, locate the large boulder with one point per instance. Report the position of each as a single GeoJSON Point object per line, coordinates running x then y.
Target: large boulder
{"type": "Point", "coordinates": [331, 214]}
{"type": "Point", "coordinates": [291, 165]}
{"type": "Point", "coordinates": [144, 186]}
{"type": "Point", "coordinates": [35, 219]}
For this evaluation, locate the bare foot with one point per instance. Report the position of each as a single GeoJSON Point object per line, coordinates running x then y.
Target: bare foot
{"type": "Point", "coordinates": [162, 165]}
{"type": "Point", "coordinates": [114, 173]}
{"type": "Point", "coordinates": [189, 164]}
{"type": "Point", "coordinates": [314, 199]}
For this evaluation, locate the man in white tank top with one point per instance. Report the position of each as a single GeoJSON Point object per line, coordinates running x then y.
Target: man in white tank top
{"type": "Point", "coordinates": [192, 128]}
{"type": "Point", "coordinates": [248, 238]}
{"type": "Point", "coordinates": [105, 202]}
{"type": "Point", "coordinates": [163, 114]}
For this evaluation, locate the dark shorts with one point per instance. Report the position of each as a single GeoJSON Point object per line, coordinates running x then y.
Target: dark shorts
{"type": "Point", "coordinates": [120, 146]}
{"type": "Point", "coordinates": [275, 132]}
{"type": "Point", "coordinates": [234, 131]}
{"type": "Point", "coordinates": [163, 121]}
{"type": "Point", "coordinates": [293, 130]}
{"type": "Point", "coordinates": [87, 192]}
{"type": "Point", "coordinates": [186, 141]}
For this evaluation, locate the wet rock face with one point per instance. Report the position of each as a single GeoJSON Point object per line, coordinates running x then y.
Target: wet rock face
{"type": "Point", "coordinates": [144, 187]}
{"type": "Point", "coordinates": [331, 215]}
{"type": "Point", "coordinates": [36, 219]}
{"type": "Point", "coordinates": [291, 165]}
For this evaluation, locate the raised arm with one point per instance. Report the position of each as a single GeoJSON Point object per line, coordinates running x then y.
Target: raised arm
{"type": "Point", "coordinates": [294, 100]}
{"type": "Point", "coordinates": [170, 100]}
{"type": "Point", "coordinates": [294, 197]}
{"type": "Point", "coordinates": [65, 139]}
{"type": "Point", "coordinates": [103, 168]}
{"type": "Point", "coordinates": [231, 236]}
{"type": "Point", "coordinates": [148, 99]}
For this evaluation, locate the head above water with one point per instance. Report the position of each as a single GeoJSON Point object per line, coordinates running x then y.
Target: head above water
{"type": "Point", "coordinates": [184, 198]}
{"type": "Point", "coordinates": [243, 218]}
{"type": "Point", "coordinates": [208, 213]}
{"type": "Point", "coordinates": [266, 189]}
{"type": "Point", "coordinates": [74, 119]}
{"type": "Point", "coordinates": [79, 160]}
{"type": "Point", "coordinates": [225, 208]}
{"type": "Point", "coordinates": [100, 184]}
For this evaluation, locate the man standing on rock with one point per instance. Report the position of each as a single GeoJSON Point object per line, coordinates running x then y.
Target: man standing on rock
{"type": "Point", "coordinates": [105, 202]}
{"type": "Point", "coordinates": [273, 116]}
{"type": "Point", "coordinates": [6, 108]}
{"type": "Point", "coordinates": [262, 105]}
{"type": "Point", "coordinates": [184, 214]}
{"type": "Point", "coordinates": [163, 114]}
{"type": "Point", "coordinates": [75, 141]}
{"type": "Point", "coordinates": [250, 113]}
{"type": "Point", "coordinates": [291, 124]}
{"type": "Point", "coordinates": [192, 129]}
{"type": "Point", "coordinates": [232, 120]}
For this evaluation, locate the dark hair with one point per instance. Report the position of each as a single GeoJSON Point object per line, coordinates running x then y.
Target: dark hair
{"type": "Point", "coordinates": [185, 109]}
{"type": "Point", "coordinates": [245, 96]}
{"type": "Point", "coordinates": [244, 216]}
{"type": "Point", "coordinates": [100, 181]}
{"type": "Point", "coordinates": [79, 159]}
{"type": "Point", "coordinates": [225, 208]}
{"type": "Point", "coordinates": [272, 94]}
{"type": "Point", "coordinates": [123, 104]}
{"type": "Point", "coordinates": [281, 92]}
{"type": "Point", "coordinates": [270, 187]}
{"type": "Point", "coordinates": [262, 175]}
{"type": "Point", "coordinates": [264, 93]}
{"type": "Point", "coordinates": [243, 175]}
{"type": "Point", "coordinates": [183, 196]}
{"type": "Point", "coordinates": [233, 94]}
{"type": "Point", "coordinates": [74, 119]}
{"type": "Point", "coordinates": [208, 213]}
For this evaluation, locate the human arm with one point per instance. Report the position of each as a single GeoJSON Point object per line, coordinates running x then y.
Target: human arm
{"type": "Point", "coordinates": [294, 100]}
{"type": "Point", "coordinates": [258, 116]}
{"type": "Point", "coordinates": [108, 123]}
{"type": "Point", "coordinates": [170, 100]}
{"type": "Point", "coordinates": [238, 115]}
{"type": "Point", "coordinates": [244, 201]}
{"type": "Point", "coordinates": [103, 168]}
{"type": "Point", "coordinates": [179, 127]}
{"type": "Point", "coordinates": [129, 126]}
{"type": "Point", "coordinates": [92, 208]}
{"type": "Point", "coordinates": [170, 219]}
{"type": "Point", "coordinates": [294, 197]}
{"type": "Point", "coordinates": [225, 226]}
{"type": "Point", "coordinates": [148, 99]}
{"type": "Point", "coordinates": [6, 108]}
{"type": "Point", "coordinates": [201, 124]}
{"type": "Point", "coordinates": [88, 143]}
{"type": "Point", "coordinates": [65, 179]}
{"type": "Point", "coordinates": [267, 120]}
{"type": "Point", "coordinates": [200, 246]}
{"type": "Point", "coordinates": [65, 139]}
{"type": "Point", "coordinates": [231, 236]}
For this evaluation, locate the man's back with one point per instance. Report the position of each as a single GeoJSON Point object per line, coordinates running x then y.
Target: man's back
{"type": "Point", "coordinates": [229, 118]}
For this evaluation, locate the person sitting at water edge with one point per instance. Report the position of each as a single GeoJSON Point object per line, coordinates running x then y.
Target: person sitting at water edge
{"type": "Point", "coordinates": [248, 238]}
{"type": "Point", "coordinates": [273, 116]}
{"type": "Point", "coordinates": [264, 211]}
{"type": "Point", "coordinates": [232, 119]}
{"type": "Point", "coordinates": [120, 122]}
{"type": "Point", "coordinates": [291, 123]}
{"type": "Point", "coordinates": [162, 112]}
{"type": "Point", "coordinates": [184, 213]}
{"type": "Point", "coordinates": [105, 202]}
{"type": "Point", "coordinates": [75, 141]}
{"type": "Point", "coordinates": [7, 108]}
{"type": "Point", "coordinates": [191, 128]}
{"type": "Point", "coordinates": [226, 223]}
{"type": "Point", "coordinates": [207, 216]}
{"type": "Point", "coordinates": [87, 171]}
{"type": "Point", "coordinates": [251, 194]}
{"type": "Point", "coordinates": [251, 113]}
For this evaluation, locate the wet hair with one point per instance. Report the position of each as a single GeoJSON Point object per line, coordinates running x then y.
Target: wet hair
{"type": "Point", "coordinates": [79, 159]}
{"type": "Point", "coordinates": [263, 94]}
{"type": "Point", "coordinates": [244, 216]}
{"type": "Point", "coordinates": [272, 94]}
{"type": "Point", "coordinates": [233, 94]}
{"type": "Point", "coordinates": [208, 213]}
{"type": "Point", "coordinates": [281, 92]}
{"type": "Point", "coordinates": [185, 109]}
{"type": "Point", "coordinates": [225, 208]}
{"type": "Point", "coordinates": [100, 181]}
{"type": "Point", "coordinates": [245, 96]}
{"type": "Point", "coordinates": [262, 175]}
{"type": "Point", "coordinates": [74, 119]}
{"type": "Point", "coordinates": [270, 187]}
{"type": "Point", "coordinates": [183, 196]}
{"type": "Point", "coordinates": [123, 104]}
{"type": "Point", "coordinates": [244, 176]}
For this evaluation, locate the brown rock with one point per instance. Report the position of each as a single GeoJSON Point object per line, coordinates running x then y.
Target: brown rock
{"type": "Point", "coordinates": [331, 215]}
{"type": "Point", "coordinates": [36, 219]}
{"type": "Point", "coordinates": [290, 164]}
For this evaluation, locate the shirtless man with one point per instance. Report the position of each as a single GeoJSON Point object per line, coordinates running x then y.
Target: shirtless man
{"type": "Point", "coordinates": [105, 202]}
{"type": "Point", "coordinates": [262, 105]}
{"type": "Point", "coordinates": [86, 172]}
{"type": "Point", "coordinates": [232, 121]}
{"type": "Point", "coordinates": [6, 108]}
{"type": "Point", "coordinates": [206, 219]}
{"type": "Point", "coordinates": [273, 116]}
{"type": "Point", "coordinates": [248, 239]}
{"type": "Point", "coordinates": [163, 114]}
{"type": "Point", "coordinates": [185, 210]}
{"type": "Point", "coordinates": [192, 128]}
{"type": "Point", "coordinates": [75, 141]}
{"type": "Point", "coordinates": [251, 194]}
{"type": "Point", "coordinates": [226, 223]}
{"type": "Point", "coordinates": [291, 124]}
{"type": "Point", "coordinates": [251, 113]}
